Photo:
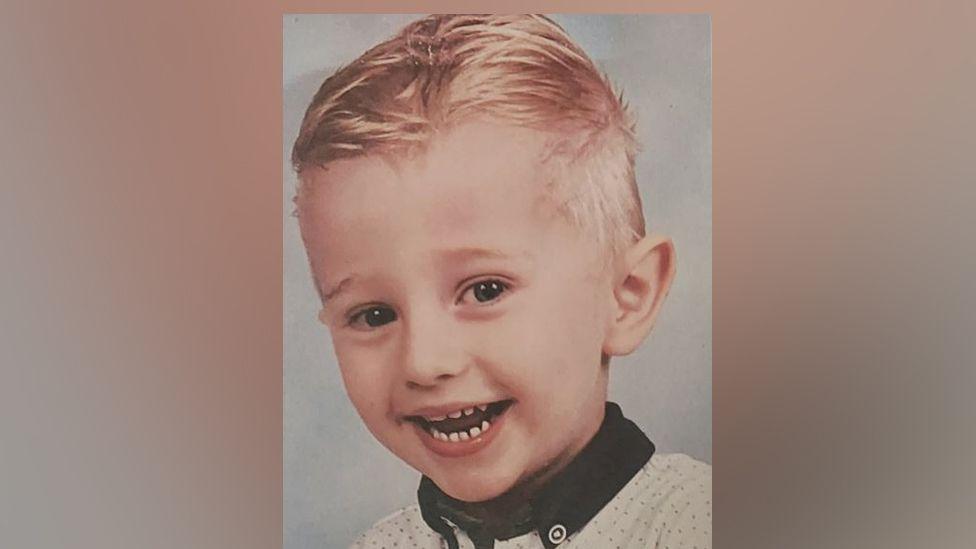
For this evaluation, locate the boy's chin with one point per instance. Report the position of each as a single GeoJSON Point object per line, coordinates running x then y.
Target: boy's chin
{"type": "Point", "coordinates": [474, 486]}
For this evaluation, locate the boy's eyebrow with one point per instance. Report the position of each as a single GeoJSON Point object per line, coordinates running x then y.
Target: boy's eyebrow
{"type": "Point", "coordinates": [472, 253]}
{"type": "Point", "coordinates": [462, 254]}
{"type": "Point", "coordinates": [329, 293]}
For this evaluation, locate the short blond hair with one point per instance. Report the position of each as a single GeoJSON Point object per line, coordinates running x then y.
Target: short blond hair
{"type": "Point", "coordinates": [520, 69]}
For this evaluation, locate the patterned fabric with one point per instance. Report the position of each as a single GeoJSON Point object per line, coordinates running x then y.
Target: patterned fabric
{"type": "Point", "coordinates": [666, 505]}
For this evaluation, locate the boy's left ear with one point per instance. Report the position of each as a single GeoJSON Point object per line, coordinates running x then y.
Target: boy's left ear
{"type": "Point", "coordinates": [641, 283]}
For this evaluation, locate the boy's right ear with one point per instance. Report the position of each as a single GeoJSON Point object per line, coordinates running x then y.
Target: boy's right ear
{"type": "Point", "coordinates": [640, 286]}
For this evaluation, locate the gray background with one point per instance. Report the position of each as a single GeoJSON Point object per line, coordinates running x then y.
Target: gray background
{"type": "Point", "coordinates": [337, 479]}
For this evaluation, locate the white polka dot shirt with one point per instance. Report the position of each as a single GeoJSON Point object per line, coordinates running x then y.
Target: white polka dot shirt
{"type": "Point", "coordinates": [666, 505]}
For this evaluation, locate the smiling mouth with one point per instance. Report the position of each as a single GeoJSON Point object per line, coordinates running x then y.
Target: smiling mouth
{"type": "Point", "coordinates": [464, 424]}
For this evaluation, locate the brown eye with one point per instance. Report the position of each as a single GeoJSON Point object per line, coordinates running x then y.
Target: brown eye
{"type": "Point", "coordinates": [372, 317]}
{"type": "Point", "coordinates": [484, 291]}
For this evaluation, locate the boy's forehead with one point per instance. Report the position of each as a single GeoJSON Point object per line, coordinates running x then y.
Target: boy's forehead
{"type": "Point", "coordinates": [479, 139]}
{"type": "Point", "coordinates": [477, 191]}
{"type": "Point", "coordinates": [467, 172]}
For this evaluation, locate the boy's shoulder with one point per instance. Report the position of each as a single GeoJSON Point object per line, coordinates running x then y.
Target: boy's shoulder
{"type": "Point", "coordinates": [676, 481]}
{"type": "Point", "coordinates": [406, 527]}
{"type": "Point", "coordinates": [667, 503]}
{"type": "Point", "coordinates": [678, 468]}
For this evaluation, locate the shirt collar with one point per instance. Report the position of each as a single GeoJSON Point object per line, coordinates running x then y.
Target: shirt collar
{"type": "Point", "coordinates": [566, 502]}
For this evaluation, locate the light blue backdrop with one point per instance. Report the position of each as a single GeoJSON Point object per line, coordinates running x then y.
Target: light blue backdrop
{"type": "Point", "coordinates": [338, 480]}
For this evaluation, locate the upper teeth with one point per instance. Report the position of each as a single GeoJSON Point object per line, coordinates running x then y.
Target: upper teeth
{"type": "Point", "coordinates": [458, 413]}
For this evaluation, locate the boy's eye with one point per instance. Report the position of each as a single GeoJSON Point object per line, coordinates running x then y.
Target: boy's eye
{"type": "Point", "coordinates": [372, 317]}
{"type": "Point", "coordinates": [484, 291]}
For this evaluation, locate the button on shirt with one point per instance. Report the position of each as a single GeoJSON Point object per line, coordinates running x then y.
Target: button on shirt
{"type": "Point", "coordinates": [615, 494]}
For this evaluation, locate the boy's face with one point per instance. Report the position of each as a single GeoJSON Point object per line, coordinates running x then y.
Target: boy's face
{"type": "Point", "coordinates": [453, 284]}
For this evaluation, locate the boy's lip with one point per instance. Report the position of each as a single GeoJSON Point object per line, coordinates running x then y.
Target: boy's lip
{"type": "Point", "coordinates": [464, 447]}
{"type": "Point", "coordinates": [445, 409]}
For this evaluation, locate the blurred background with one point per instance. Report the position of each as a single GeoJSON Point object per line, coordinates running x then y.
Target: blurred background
{"type": "Point", "coordinates": [141, 321]}
{"type": "Point", "coordinates": [339, 480]}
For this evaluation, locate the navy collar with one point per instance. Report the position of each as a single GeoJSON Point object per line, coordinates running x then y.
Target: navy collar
{"type": "Point", "coordinates": [565, 503]}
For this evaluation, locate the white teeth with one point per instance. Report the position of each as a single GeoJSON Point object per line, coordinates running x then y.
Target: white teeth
{"type": "Point", "coordinates": [458, 413]}
{"type": "Point", "coordinates": [460, 436]}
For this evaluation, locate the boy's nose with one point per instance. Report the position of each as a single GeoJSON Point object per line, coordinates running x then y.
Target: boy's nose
{"type": "Point", "coordinates": [431, 354]}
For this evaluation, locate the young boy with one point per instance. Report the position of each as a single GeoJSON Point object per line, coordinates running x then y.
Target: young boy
{"type": "Point", "coordinates": [470, 213]}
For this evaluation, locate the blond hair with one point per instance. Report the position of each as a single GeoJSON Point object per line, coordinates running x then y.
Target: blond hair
{"type": "Point", "coordinates": [520, 69]}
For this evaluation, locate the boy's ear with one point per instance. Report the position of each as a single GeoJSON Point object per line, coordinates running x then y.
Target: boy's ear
{"type": "Point", "coordinates": [640, 285]}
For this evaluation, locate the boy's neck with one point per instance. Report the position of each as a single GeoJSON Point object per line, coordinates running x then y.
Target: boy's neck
{"type": "Point", "coordinates": [526, 489]}
{"type": "Point", "coordinates": [573, 487]}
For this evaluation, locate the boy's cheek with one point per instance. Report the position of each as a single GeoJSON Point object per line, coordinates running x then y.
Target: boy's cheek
{"type": "Point", "coordinates": [367, 397]}
{"type": "Point", "coordinates": [508, 338]}
{"type": "Point", "coordinates": [361, 372]}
